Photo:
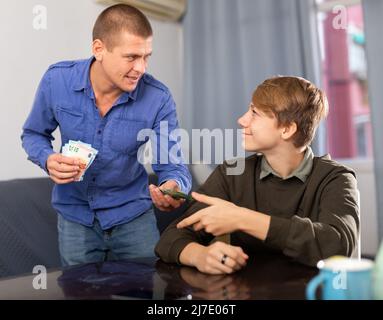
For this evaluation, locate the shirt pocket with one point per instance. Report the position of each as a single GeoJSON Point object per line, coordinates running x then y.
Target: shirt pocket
{"type": "Point", "coordinates": [71, 122]}
{"type": "Point", "coordinates": [122, 135]}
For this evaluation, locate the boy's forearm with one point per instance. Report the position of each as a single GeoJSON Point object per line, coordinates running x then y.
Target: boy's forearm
{"type": "Point", "coordinates": [254, 223]}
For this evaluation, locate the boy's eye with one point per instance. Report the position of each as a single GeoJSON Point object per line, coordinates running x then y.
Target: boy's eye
{"type": "Point", "coordinates": [254, 112]}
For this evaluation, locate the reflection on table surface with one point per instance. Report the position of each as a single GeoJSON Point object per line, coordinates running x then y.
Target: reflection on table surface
{"type": "Point", "coordinates": [265, 277]}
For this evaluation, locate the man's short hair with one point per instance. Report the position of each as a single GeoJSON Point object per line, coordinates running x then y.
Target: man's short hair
{"type": "Point", "coordinates": [293, 99]}
{"type": "Point", "coordinates": [117, 19]}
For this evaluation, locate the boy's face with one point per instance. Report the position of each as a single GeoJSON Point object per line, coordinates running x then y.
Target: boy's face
{"type": "Point", "coordinates": [126, 63]}
{"type": "Point", "coordinates": [260, 130]}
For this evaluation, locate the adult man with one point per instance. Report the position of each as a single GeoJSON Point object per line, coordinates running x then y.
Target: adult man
{"type": "Point", "coordinates": [285, 201]}
{"type": "Point", "coordinates": [105, 101]}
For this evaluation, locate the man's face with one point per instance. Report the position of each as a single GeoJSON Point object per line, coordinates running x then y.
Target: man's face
{"type": "Point", "coordinates": [260, 130]}
{"type": "Point", "coordinates": [125, 64]}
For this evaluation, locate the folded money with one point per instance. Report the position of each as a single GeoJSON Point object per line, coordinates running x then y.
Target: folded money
{"type": "Point", "coordinates": [82, 151]}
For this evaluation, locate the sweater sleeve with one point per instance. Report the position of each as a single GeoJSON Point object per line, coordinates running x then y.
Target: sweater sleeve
{"type": "Point", "coordinates": [174, 240]}
{"type": "Point", "coordinates": [334, 232]}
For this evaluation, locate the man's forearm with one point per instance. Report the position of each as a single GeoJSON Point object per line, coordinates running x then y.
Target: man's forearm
{"type": "Point", "coordinates": [37, 147]}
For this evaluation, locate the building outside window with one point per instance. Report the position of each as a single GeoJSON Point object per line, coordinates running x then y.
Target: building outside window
{"type": "Point", "coordinates": [344, 76]}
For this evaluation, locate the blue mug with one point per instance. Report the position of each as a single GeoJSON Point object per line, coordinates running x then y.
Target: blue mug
{"type": "Point", "coordinates": [342, 278]}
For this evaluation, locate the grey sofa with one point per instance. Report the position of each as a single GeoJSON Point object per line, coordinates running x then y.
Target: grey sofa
{"type": "Point", "coordinates": [28, 233]}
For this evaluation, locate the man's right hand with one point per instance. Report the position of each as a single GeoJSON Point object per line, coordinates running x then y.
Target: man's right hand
{"type": "Point", "coordinates": [63, 169]}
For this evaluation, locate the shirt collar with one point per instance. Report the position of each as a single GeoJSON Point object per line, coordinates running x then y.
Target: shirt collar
{"type": "Point", "coordinates": [82, 82]}
{"type": "Point", "coordinates": [302, 172]}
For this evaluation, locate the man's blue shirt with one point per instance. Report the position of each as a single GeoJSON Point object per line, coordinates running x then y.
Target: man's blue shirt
{"type": "Point", "coordinates": [115, 186]}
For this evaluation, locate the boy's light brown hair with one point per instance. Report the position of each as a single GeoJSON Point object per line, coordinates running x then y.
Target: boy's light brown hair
{"type": "Point", "coordinates": [117, 19]}
{"type": "Point", "coordinates": [293, 99]}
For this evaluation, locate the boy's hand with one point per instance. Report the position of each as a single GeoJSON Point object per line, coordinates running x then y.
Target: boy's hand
{"type": "Point", "coordinates": [217, 258]}
{"type": "Point", "coordinates": [165, 202]}
{"type": "Point", "coordinates": [63, 169]}
{"type": "Point", "coordinates": [220, 217]}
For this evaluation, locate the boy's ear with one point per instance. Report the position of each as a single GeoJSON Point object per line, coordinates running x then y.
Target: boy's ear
{"type": "Point", "coordinates": [289, 130]}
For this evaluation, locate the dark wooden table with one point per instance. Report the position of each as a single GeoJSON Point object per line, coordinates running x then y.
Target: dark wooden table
{"type": "Point", "coordinates": [265, 277]}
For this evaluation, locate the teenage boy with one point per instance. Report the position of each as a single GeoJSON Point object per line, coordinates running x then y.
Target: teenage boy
{"type": "Point", "coordinates": [287, 200]}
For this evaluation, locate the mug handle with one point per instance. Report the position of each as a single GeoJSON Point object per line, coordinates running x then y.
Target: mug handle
{"type": "Point", "coordinates": [313, 285]}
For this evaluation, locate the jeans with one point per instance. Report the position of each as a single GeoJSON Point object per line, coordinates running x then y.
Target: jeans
{"type": "Point", "coordinates": [82, 244]}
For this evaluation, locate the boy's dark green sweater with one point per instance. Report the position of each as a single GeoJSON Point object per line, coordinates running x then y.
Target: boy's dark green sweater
{"type": "Point", "coordinates": [310, 220]}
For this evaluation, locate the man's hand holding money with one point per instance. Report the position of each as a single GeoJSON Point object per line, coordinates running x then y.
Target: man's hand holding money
{"type": "Point", "coordinates": [63, 169]}
{"type": "Point", "coordinates": [165, 202]}
{"type": "Point", "coordinates": [72, 163]}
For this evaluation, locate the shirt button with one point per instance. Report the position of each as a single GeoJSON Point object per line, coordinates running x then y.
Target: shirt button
{"type": "Point", "coordinates": [94, 179]}
{"type": "Point", "coordinates": [99, 131]}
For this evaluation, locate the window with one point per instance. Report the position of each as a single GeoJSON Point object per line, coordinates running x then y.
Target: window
{"type": "Point", "coordinates": [344, 75]}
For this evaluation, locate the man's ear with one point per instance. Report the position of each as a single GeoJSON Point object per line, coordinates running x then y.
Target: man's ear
{"type": "Point", "coordinates": [98, 49]}
{"type": "Point", "coordinates": [289, 130]}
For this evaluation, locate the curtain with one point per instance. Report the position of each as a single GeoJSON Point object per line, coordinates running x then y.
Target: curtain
{"type": "Point", "coordinates": [232, 46]}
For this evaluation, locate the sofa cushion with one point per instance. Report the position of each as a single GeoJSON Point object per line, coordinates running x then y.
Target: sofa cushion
{"type": "Point", "coordinates": [28, 226]}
